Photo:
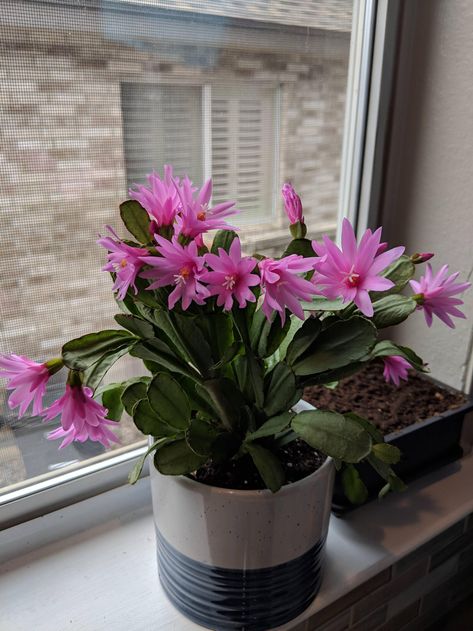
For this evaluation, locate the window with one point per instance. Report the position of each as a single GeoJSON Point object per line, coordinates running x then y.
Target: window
{"type": "Point", "coordinates": [162, 125]}
{"type": "Point", "coordinates": [231, 128]}
{"type": "Point", "coordinates": [244, 148]}
{"type": "Point", "coordinates": [93, 96]}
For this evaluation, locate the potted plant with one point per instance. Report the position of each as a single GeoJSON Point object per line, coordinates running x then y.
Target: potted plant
{"type": "Point", "coordinates": [243, 472]}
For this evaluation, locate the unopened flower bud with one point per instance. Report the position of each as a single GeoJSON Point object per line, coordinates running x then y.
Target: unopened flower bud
{"type": "Point", "coordinates": [292, 204]}
{"type": "Point", "coordinates": [382, 247]}
{"type": "Point", "coordinates": [422, 257]}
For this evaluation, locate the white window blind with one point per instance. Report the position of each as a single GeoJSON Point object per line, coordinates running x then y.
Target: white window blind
{"type": "Point", "coordinates": [243, 148]}
{"type": "Point", "coordinates": [164, 124]}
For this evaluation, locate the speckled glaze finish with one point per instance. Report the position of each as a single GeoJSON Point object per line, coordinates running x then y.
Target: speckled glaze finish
{"type": "Point", "coordinates": [236, 559]}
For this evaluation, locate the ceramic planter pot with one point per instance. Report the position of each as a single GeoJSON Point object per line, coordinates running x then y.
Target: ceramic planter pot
{"type": "Point", "coordinates": [236, 559]}
{"type": "Point", "coordinates": [424, 446]}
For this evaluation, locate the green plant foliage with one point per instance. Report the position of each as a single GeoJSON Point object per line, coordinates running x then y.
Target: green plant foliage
{"type": "Point", "coordinates": [157, 351]}
{"type": "Point", "coordinates": [217, 330]}
{"type": "Point", "coordinates": [82, 352]}
{"type": "Point", "coordinates": [136, 220]}
{"type": "Point", "coordinates": [280, 390]}
{"type": "Point", "coordinates": [268, 465]}
{"type": "Point", "coordinates": [148, 422]}
{"type": "Point", "coordinates": [136, 471]}
{"type": "Point", "coordinates": [280, 354]}
{"type": "Point", "coordinates": [333, 434]}
{"type": "Point", "coordinates": [199, 399]}
{"type": "Point", "coordinates": [386, 348]}
{"type": "Point", "coordinates": [137, 326]}
{"type": "Point", "coordinates": [144, 297]}
{"type": "Point", "coordinates": [164, 320]}
{"type": "Point", "coordinates": [387, 453]}
{"type": "Point", "coordinates": [400, 273]}
{"type": "Point", "coordinates": [225, 447]}
{"type": "Point", "coordinates": [177, 458]}
{"type": "Point", "coordinates": [266, 335]}
{"type": "Point", "coordinates": [111, 399]}
{"type": "Point", "coordinates": [94, 374]}
{"type": "Point", "coordinates": [319, 303]}
{"type": "Point", "coordinates": [303, 339]}
{"type": "Point", "coordinates": [353, 486]}
{"type": "Point", "coordinates": [227, 400]}
{"type": "Point", "coordinates": [340, 344]}
{"type": "Point", "coordinates": [331, 376]}
{"type": "Point", "coordinates": [386, 472]}
{"type": "Point", "coordinates": [303, 247]}
{"type": "Point", "coordinates": [198, 348]}
{"type": "Point", "coordinates": [132, 394]}
{"type": "Point", "coordinates": [223, 239]}
{"type": "Point", "coordinates": [392, 310]}
{"type": "Point", "coordinates": [169, 401]}
{"type": "Point", "coordinates": [272, 426]}
{"type": "Point", "coordinates": [367, 426]}
{"type": "Point", "coordinates": [200, 436]}
{"type": "Point", "coordinates": [242, 322]}
{"type": "Point", "coordinates": [249, 376]}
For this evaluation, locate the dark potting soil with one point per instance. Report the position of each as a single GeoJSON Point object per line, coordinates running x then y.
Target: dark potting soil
{"type": "Point", "coordinates": [298, 460]}
{"type": "Point", "coordinates": [389, 407]}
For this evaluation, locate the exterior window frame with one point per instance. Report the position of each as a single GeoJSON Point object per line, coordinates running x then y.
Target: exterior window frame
{"type": "Point", "coordinates": [370, 81]}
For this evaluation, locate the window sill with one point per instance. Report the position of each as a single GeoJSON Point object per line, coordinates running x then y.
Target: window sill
{"type": "Point", "coordinates": [92, 565]}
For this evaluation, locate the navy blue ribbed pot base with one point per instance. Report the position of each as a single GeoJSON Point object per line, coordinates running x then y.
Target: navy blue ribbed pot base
{"type": "Point", "coordinates": [249, 600]}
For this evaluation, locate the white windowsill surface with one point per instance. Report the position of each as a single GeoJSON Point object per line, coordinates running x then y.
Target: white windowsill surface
{"type": "Point", "coordinates": [92, 566]}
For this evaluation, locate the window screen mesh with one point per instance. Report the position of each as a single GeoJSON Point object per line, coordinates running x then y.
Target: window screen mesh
{"type": "Point", "coordinates": [95, 94]}
{"type": "Point", "coordinates": [244, 144]}
{"type": "Point", "coordinates": [162, 124]}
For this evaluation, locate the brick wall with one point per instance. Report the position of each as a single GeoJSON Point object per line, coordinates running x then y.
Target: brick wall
{"type": "Point", "coordinates": [61, 156]}
{"type": "Point", "coordinates": [412, 594]}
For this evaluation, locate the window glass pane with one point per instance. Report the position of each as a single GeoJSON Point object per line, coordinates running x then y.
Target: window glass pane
{"type": "Point", "coordinates": [244, 142]}
{"type": "Point", "coordinates": [95, 95]}
{"type": "Point", "coordinates": [162, 124]}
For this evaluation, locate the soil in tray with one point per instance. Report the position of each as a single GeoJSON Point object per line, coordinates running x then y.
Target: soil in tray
{"type": "Point", "coordinates": [298, 460]}
{"type": "Point", "coordinates": [389, 407]}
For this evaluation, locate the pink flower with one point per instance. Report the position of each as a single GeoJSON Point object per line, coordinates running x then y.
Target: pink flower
{"type": "Point", "coordinates": [231, 276]}
{"type": "Point", "coordinates": [180, 266]}
{"type": "Point", "coordinates": [395, 368]}
{"type": "Point", "coordinates": [28, 381]}
{"type": "Point", "coordinates": [292, 203]}
{"type": "Point", "coordinates": [82, 418]}
{"type": "Point", "coordinates": [435, 295]}
{"type": "Point", "coordinates": [282, 287]}
{"type": "Point", "coordinates": [124, 261]}
{"type": "Point", "coordinates": [196, 217]}
{"type": "Point", "coordinates": [353, 271]}
{"type": "Point", "coordinates": [161, 198]}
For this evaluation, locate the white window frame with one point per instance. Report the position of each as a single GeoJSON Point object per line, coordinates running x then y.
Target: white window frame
{"type": "Point", "coordinates": [370, 86]}
{"type": "Point", "coordinates": [375, 26]}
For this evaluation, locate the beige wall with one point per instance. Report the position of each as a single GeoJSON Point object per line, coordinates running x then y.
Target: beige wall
{"type": "Point", "coordinates": [428, 202]}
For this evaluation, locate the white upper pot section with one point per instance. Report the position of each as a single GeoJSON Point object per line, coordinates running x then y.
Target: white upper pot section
{"type": "Point", "coordinates": [243, 529]}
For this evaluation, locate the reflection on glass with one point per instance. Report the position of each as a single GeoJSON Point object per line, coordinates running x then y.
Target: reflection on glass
{"type": "Point", "coordinates": [94, 97]}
